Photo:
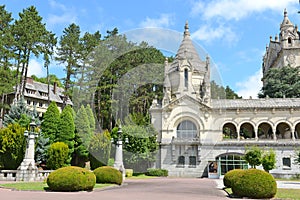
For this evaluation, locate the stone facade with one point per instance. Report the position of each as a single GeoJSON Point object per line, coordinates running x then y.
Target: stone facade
{"type": "Point", "coordinates": [285, 49]}
{"type": "Point", "coordinates": [200, 136]}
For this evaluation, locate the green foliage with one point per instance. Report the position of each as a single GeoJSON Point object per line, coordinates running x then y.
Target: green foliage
{"type": "Point", "coordinates": [50, 122]}
{"type": "Point", "coordinates": [42, 146]}
{"type": "Point", "coordinates": [269, 160]}
{"type": "Point", "coordinates": [254, 183]}
{"type": "Point", "coordinates": [18, 112]}
{"type": "Point", "coordinates": [66, 129]}
{"type": "Point", "coordinates": [128, 172]}
{"type": "Point", "coordinates": [107, 174]}
{"type": "Point", "coordinates": [280, 82]}
{"type": "Point", "coordinates": [71, 179]}
{"type": "Point", "coordinates": [231, 176]}
{"type": "Point", "coordinates": [157, 172]}
{"type": "Point", "coordinates": [99, 149]}
{"type": "Point", "coordinates": [91, 118]}
{"type": "Point", "coordinates": [52, 79]}
{"type": "Point", "coordinates": [218, 91]}
{"type": "Point", "coordinates": [141, 148]}
{"type": "Point", "coordinates": [58, 155]}
{"type": "Point", "coordinates": [12, 146]}
{"type": "Point", "coordinates": [253, 156]}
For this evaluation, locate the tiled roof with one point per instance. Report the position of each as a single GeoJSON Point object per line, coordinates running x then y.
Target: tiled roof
{"type": "Point", "coordinates": [40, 88]}
{"type": "Point", "coordinates": [256, 103]}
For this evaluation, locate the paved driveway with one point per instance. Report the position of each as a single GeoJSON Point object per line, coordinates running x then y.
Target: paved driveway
{"type": "Point", "coordinates": [142, 189]}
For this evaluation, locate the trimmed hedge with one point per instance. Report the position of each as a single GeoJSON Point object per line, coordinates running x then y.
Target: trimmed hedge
{"type": "Point", "coordinates": [107, 174]}
{"type": "Point", "coordinates": [254, 183]}
{"type": "Point", "coordinates": [157, 172]}
{"type": "Point", "coordinates": [71, 179]}
{"type": "Point", "coordinates": [128, 172]}
{"type": "Point", "coordinates": [231, 176]}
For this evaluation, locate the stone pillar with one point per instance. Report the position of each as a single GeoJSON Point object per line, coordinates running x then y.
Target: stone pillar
{"type": "Point", "coordinates": [238, 133]}
{"type": "Point", "coordinates": [256, 133]}
{"type": "Point", "coordinates": [118, 164]}
{"type": "Point", "coordinates": [27, 171]}
{"type": "Point", "coordinates": [274, 133]}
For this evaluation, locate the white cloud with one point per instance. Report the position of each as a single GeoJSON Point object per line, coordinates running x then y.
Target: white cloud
{"type": "Point", "coordinates": [36, 68]}
{"type": "Point", "coordinates": [237, 10]}
{"type": "Point", "coordinates": [208, 34]}
{"type": "Point", "coordinates": [67, 14]}
{"type": "Point", "coordinates": [165, 20]}
{"type": "Point", "coordinates": [251, 86]}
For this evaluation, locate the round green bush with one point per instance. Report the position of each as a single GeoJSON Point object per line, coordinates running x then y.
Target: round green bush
{"type": "Point", "coordinates": [231, 176]}
{"type": "Point", "coordinates": [71, 179]}
{"type": "Point", "coordinates": [254, 183]}
{"type": "Point", "coordinates": [107, 174]}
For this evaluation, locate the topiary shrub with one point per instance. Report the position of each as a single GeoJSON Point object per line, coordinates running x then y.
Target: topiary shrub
{"type": "Point", "coordinates": [108, 174]}
{"type": "Point", "coordinates": [71, 179]}
{"type": "Point", "coordinates": [128, 172]}
{"type": "Point", "coordinates": [58, 155]}
{"type": "Point", "coordinates": [254, 183]}
{"type": "Point", "coordinates": [157, 172]}
{"type": "Point", "coordinates": [231, 176]}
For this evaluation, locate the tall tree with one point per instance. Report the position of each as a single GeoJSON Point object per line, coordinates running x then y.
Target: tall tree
{"type": "Point", "coordinates": [91, 118]}
{"type": "Point", "coordinates": [29, 33]}
{"type": "Point", "coordinates": [281, 82]}
{"type": "Point", "coordinates": [50, 123]}
{"type": "Point", "coordinates": [66, 129]}
{"type": "Point", "coordinates": [68, 53]}
{"type": "Point", "coordinates": [6, 54]}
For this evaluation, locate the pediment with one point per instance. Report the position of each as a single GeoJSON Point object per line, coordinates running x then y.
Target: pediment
{"type": "Point", "coordinates": [186, 100]}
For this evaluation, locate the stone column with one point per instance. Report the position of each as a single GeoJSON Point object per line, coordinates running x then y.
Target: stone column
{"type": "Point", "coordinates": [118, 164]}
{"type": "Point", "coordinates": [27, 171]}
{"type": "Point", "coordinates": [256, 133]}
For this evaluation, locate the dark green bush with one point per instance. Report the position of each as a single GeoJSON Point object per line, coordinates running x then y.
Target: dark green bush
{"type": "Point", "coordinates": [107, 174]}
{"type": "Point", "coordinates": [254, 183]}
{"type": "Point", "coordinates": [58, 155]}
{"type": "Point", "coordinates": [231, 177]}
{"type": "Point", "coordinates": [157, 172]}
{"type": "Point", "coordinates": [71, 179]}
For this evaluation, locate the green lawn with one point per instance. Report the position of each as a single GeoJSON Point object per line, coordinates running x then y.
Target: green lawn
{"type": "Point", "coordinates": [281, 193]}
{"type": "Point", "coordinates": [38, 186]}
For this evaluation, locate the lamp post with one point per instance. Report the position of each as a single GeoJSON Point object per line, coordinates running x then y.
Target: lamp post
{"type": "Point", "coordinates": [118, 164]}
{"type": "Point", "coordinates": [27, 171]}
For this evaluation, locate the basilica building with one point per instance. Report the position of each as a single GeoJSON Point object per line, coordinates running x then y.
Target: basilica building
{"type": "Point", "coordinates": [200, 136]}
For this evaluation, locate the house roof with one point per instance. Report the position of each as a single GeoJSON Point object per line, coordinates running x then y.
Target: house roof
{"type": "Point", "coordinates": [256, 103]}
{"type": "Point", "coordinates": [41, 88]}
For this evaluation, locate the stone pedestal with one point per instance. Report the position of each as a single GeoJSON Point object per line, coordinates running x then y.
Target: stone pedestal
{"type": "Point", "coordinates": [119, 158]}
{"type": "Point", "coordinates": [27, 171]}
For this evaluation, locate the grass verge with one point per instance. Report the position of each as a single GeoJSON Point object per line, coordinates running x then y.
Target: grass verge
{"type": "Point", "coordinates": [38, 186]}
{"type": "Point", "coordinates": [281, 193]}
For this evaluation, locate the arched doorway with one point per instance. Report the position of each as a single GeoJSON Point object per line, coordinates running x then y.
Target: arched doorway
{"type": "Point", "coordinates": [283, 131]}
{"type": "Point", "coordinates": [247, 131]}
{"type": "Point", "coordinates": [297, 131]}
{"type": "Point", "coordinates": [186, 149]}
{"type": "Point", "coordinates": [230, 161]}
{"type": "Point", "coordinates": [265, 131]}
{"type": "Point", "coordinates": [229, 131]}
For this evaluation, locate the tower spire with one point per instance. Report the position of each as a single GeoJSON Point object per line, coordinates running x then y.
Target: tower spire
{"type": "Point", "coordinates": [186, 29]}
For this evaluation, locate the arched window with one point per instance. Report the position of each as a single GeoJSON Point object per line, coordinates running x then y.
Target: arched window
{"type": "Point", "coordinates": [186, 78]}
{"type": "Point", "coordinates": [181, 160]}
{"type": "Point", "coordinates": [186, 129]}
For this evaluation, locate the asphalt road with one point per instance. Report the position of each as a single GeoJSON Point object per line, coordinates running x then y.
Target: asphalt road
{"type": "Point", "coordinates": [133, 189]}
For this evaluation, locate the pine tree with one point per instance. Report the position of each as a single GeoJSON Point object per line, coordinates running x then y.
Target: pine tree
{"type": "Point", "coordinates": [50, 123]}
{"type": "Point", "coordinates": [91, 118]}
{"type": "Point", "coordinates": [66, 129]}
{"type": "Point", "coordinates": [16, 111]}
{"type": "Point", "coordinates": [82, 137]}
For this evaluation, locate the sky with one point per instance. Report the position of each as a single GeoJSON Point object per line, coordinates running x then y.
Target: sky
{"type": "Point", "coordinates": [234, 33]}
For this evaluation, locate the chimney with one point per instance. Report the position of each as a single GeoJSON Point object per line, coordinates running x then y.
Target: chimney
{"type": "Point", "coordinates": [29, 80]}
{"type": "Point", "coordinates": [54, 87]}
